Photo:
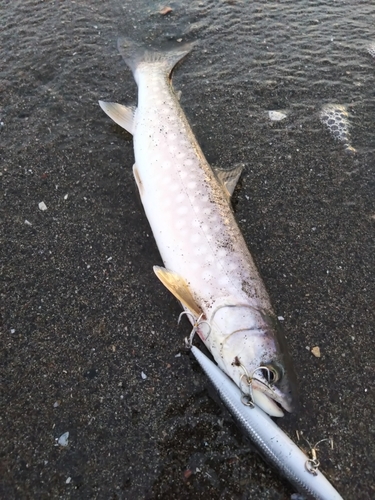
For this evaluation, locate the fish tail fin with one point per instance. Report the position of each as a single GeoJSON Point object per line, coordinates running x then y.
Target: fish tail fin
{"type": "Point", "coordinates": [136, 56]}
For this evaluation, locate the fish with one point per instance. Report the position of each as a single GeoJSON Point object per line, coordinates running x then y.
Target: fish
{"type": "Point", "coordinates": [272, 442]}
{"type": "Point", "coordinates": [207, 265]}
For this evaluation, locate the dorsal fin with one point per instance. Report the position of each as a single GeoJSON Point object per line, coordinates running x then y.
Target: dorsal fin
{"type": "Point", "coordinates": [228, 178]}
{"type": "Point", "coordinates": [178, 287]}
{"type": "Point", "coordinates": [122, 115]}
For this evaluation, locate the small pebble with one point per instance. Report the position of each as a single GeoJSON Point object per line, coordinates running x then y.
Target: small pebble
{"type": "Point", "coordinates": [316, 351]}
{"type": "Point", "coordinates": [165, 10]}
{"type": "Point", "coordinates": [143, 375]}
{"type": "Point", "coordinates": [42, 206]}
{"type": "Point", "coordinates": [63, 439]}
{"type": "Point", "coordinates": [276, 116]}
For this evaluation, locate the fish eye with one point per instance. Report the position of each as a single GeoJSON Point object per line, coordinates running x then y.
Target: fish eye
{"type": "Point", "coordinates": [272, 373]}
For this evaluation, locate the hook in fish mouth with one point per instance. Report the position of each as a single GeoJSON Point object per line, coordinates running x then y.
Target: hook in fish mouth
{"type": "Point", "coordinates": [259, 391]}
{"type": "Point", "coordinates": [260, 386]}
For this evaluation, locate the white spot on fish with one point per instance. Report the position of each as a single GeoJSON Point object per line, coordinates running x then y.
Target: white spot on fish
{"type": "Point", "coordinates": [195, 238]}
{"type": "Point", "coordinates": [224, 280]}
{"type": "Point", "coordinates": [172, 149]}
{"type": "Point", "coordinates": [207, 275]}
{"type": "Point", "coordinates": [181, 197]}
{"type": "Point", "coordinates": [232, 266]}
{"type": "Point", "coordinates": [188, 162]}
{"type": "Point", "coordinates": [207, 211]}
{"type": "Point", "coordinates": [192, 185]}
{"type": "Point", "coordinates": [166, 180]}
{"type": "Point", "coordinates": [221, 252]}
{"type": "Point", "coordinates": [181, 154]}
{"type": "Point", "coordinates": [180, 223]}
{"type": "Point", "coordinates": [200, 250]}
{"type": "Point", "coordinates": [182, 210]}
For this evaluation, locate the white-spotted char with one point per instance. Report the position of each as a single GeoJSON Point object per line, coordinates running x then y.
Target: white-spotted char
{"type": "Point", "coordinates": [208, 266]}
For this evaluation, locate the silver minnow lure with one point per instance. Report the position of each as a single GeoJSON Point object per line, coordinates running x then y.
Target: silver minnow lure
{"type": "Point", "coordinates": [274, 445]}
{"type": "Point", "coordinates": [207, 264]}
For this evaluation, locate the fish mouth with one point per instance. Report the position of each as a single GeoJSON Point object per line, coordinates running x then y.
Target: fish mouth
{"type": "Point", "coordinates": [270, 398]}
{"type": "Point", "coordinates": [266, 403]}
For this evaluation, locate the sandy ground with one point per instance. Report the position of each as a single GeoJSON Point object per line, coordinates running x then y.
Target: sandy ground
{"type": "Point", "coordinates": [83, 315]}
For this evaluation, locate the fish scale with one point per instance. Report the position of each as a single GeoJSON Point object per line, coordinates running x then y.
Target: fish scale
{"type": "Point", "coordinates": [208, 266]}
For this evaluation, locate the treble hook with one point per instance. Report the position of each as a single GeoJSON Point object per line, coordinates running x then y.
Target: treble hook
{"type": "Point", "coordinates": [312, 464]}
{"type": "Point", "coordinates": [196, 324]}
{"type": "Point", "coordinates": [248, 399]}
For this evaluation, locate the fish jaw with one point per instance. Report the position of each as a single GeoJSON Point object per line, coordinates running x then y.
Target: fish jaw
{"type": "Point", "coordinates": [249, 348]}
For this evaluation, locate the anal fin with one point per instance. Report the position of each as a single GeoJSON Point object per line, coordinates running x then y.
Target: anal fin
{"type": "Point", "coordinates": [229, 178]}
{"type": "Point", "coordinates": [178, 287]}
{"type": "Point", "coordinates": [122, 115]}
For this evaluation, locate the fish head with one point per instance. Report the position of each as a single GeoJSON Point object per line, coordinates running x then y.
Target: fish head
{"type": "Point", "coordinates": [250, 347]}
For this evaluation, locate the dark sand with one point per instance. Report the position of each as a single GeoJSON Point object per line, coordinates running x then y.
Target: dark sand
{"type": "Point", "coordinates": [84, 315]}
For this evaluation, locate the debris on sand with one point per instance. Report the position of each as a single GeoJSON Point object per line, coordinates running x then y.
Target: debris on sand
{"type": "Point", "coordinates": [316, 351]}
{"type": "Point", "coordinates": [165, 10]}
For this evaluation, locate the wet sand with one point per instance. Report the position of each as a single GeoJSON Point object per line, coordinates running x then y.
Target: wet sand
{"type": "Point", "coordinates": [84, 315]}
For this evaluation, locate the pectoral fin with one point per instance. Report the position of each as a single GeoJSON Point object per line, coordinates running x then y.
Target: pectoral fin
{"type": "Point", "coordinates": [178, 287]}
{"type": "Point", "coordinates": [122, 115]}
{"type": "Point", "coordinates": [229, 178]}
